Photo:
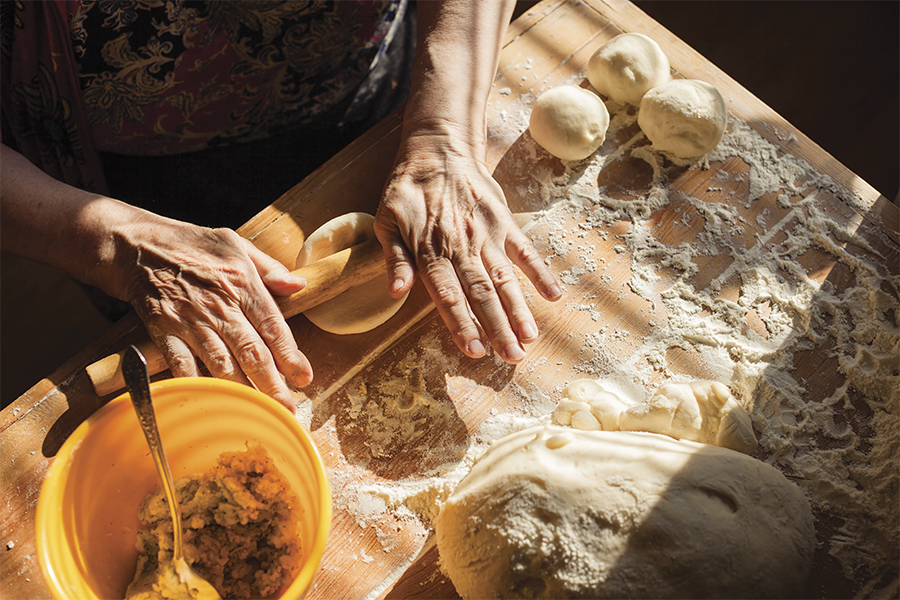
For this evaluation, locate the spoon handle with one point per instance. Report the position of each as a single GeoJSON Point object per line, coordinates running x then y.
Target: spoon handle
{"type": "Point", "coordinates": [134, 369]}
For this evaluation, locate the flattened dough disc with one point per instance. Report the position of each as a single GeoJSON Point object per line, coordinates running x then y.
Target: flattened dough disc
{"type": "Point", "coordinates": [363, 307]}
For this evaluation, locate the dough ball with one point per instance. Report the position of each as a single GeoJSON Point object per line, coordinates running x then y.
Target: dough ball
{"type": "Point", "coordinates": [684, 117]}
{"type": "Point", "coordinates": [628, 65]}
{"type": "Point", "coordinates": [569, 122]}
{"type": "Point", "coordinates": [361, 308]}
{"type": "Point", "coordinates": [552, 512]}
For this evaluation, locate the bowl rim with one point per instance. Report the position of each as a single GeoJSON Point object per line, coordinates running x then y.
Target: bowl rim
{"type": "Point", "coordinates": [50, 496]}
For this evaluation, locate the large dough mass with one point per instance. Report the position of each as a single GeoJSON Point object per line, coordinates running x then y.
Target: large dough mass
{"type": "Point", "coordinates": [361, 308]}
{"type": "Point", "coordinates": [553, 512]}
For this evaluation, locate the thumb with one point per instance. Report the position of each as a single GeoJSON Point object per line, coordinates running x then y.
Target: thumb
{"type": "Point", "coordinates": [276, 277]}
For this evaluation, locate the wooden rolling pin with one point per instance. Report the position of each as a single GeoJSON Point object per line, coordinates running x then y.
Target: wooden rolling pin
{"type": "Point", "coordinates": [325, 279]}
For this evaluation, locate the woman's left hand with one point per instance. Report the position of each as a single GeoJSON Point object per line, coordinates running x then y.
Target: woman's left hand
{"type": "Point", "coordinates": [443, 215]}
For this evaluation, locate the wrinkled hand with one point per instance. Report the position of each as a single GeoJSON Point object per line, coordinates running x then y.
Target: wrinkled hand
{"type": "Point", "coordinates": [208, 292]}
{"type": "Point", "coordinates": [443, 215]}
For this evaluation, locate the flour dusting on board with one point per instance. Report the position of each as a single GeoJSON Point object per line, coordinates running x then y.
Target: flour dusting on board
{"type": "Point", "coordinates": [842, 449]}
{"type": "Point", "coordinates": [739, 286]}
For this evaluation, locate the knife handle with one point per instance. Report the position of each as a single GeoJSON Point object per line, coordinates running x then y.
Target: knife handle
{"type": "Point", "coordinates": [325, 279]}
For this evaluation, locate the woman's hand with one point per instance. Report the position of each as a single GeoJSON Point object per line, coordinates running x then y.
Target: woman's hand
{"type": "Point", "coordinates": [208, 293]}
{"type": "Point", "coordinates": [443, 215]}
{"type": "Point", "coordinates": [199, 291]}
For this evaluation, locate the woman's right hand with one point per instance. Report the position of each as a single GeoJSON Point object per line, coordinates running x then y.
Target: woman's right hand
{"type": "Point", "coordinates": [209, 293]}
{"type": "Point", "coordinates": [201, 292]}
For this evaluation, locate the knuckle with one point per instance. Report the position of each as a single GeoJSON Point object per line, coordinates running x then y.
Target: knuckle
{"type": "Point", "coordinates": [465, 331]}
{"type": "Point", "coordinates": [226, 234]}
{"type": "Point", "coordinates": [181, 364]}
{"type": "Point", "coordinates": [252, 357]}
{"type": "Point", "coordinates": [525, 254]}
{"type": "Point", "coordinates": [481, 290]}
{"type": "Point", "coordinates": [447, 290]}
{"type": "Point", "coordinates": [152, 314]}
{"type": "Point", "coordinates": [271, 327]}
{"type": "Point", "coordinates": [448, 294]}
{"type": "Point", "coordinates": [503, 275]}
{"type": "Point", "coordinates": [221, 364]}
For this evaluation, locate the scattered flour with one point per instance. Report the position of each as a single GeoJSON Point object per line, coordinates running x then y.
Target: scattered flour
{"type": "Point", "coordinates": [841, 449]}
{"type": "Point", "coordinates": [760, 277]}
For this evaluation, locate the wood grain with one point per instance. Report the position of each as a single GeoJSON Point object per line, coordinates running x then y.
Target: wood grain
{"type": "Point", "coordinates": [547, 45]}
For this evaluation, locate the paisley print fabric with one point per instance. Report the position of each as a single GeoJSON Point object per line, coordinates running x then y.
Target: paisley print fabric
{"type": "Point", "coordinates": [41, 114]}
{"type": "Point", "coordinates": [161, 77]}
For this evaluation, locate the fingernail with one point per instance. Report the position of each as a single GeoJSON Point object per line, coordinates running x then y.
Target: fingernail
{"type": "Point", "coordinates": [514, 352]}
{"type": "Point", "coordinates": [529, 331]}
{"type": "Point", "coordinates": [302, 379]}
{"type": "Point", "coordinates": [555, 291]}
{"type": "Point", "coordinates": [396, 285]}
{"type": "Point", "coordinates": [476, 348]}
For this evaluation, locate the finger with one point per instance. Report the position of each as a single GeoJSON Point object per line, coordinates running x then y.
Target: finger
{"type": "Point", "coordinates": [265, 316]}
{"type": "Point", "coordinates": [506, 283]}
{"type": "Point", "coordinates": [400, 268]}
{"type": "Point", "coordinates": [523, 253]}
{"type": "Point", "coordinates": [445, 290]}
{"type": "Point", "coordinates": [275, 276]}
{"type": "Point", "coordinates": [256, 362]}
{"type": "Point", "coordinates": [213, 353]}
{"type": "Point", "coordinates": [178, 356]}
{"type": "Point", "coordinates": [489, 310]}
{"type": "Point", "coordinates": [175, 350]}
{"type": "Point", "coordinates": [400, 263]}
{"type": "Point", "coordinates": [279, 339]}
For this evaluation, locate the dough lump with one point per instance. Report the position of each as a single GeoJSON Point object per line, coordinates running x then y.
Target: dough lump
{"type": "Point", "coordinates": [552, 512]}
{"type": "Point", "coordinates": [684, 117]}
{"type": "Point", "coordinates": [361, 308]}
{"type": "Point", "coordinates": [569, 122]}
{"type": "Point", "coordinates": [628, 65]}
{"type": "Point", "coordinates": [702, 411]}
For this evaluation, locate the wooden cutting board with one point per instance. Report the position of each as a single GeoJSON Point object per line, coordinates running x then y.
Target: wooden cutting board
{"type": "Point", "coordinates": [392, 407]}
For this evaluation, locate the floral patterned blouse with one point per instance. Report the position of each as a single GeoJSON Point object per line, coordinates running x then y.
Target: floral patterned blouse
{"type": "Point", "coordinates": [154, 77]}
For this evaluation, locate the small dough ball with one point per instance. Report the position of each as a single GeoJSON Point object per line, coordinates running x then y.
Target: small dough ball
{"type": "Point", "coordinates": [553, 512]}
{"type": "Point", "coordinates": [361, 308]}
{"type": "Point", "coordinates": [684, 117]}
{"type": "Point", "coordinates": [569, 122]}
{"type": "Point", "coordinates": [628, 65]}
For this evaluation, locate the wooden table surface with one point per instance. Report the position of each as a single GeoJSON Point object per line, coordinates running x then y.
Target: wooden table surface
{"type": "Point", "coordinates": [715, 209]}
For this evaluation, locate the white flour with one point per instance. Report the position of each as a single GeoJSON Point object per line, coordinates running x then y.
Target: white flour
{"type": "Point", "coordinates": [747, 300]}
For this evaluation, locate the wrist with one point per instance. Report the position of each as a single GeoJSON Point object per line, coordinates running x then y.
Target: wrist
{"type": "Point", "coordinates": [111, 231]}
{"type": "Point", "coordinates": [438, 136]}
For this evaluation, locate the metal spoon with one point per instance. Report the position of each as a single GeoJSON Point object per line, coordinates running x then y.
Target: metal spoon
{"type": "Point", "coordinates": [179, 573]}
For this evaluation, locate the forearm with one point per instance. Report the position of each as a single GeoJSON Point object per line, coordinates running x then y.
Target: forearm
{"type": "Point", "coordinates": [52, 223]}
{"type": "Point", "coordinates": [459, 44]}
{"type": "Point", "coordinates": [199, 291]}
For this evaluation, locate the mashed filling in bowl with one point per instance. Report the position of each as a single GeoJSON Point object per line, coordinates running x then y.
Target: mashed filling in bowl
{"type": "Point", "coordinates": [240, 530]}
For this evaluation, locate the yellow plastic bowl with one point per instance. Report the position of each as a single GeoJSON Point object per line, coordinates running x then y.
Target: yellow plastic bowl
{"type": "Point", "coordinates": [87, 520]}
